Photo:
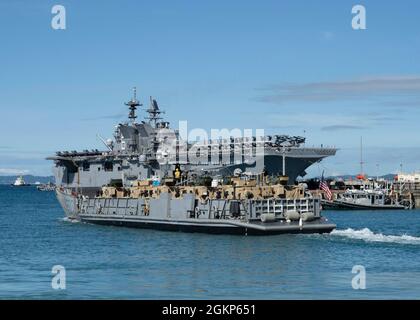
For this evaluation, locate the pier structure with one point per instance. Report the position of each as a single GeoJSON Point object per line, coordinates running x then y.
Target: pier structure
{"type": "Point", "coordinates": [402, 191]}
{"type": "Point", "coordinates": [407, 190]}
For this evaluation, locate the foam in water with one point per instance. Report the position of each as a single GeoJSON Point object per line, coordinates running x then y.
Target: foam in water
{"type": "Point", "coordinates": [369, 236]}
{"type": "Point", "coordinates": [66, 219]}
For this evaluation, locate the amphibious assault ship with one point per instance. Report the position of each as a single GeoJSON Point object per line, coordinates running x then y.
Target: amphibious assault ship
{"type": "Point", "coordinates": [151, 148]}
{"type": "Point", "coordinates": [150, 177]}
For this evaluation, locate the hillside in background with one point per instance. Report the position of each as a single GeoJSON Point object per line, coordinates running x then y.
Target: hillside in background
{"type": "Point", "coordinates": [28, 179]}
{"type": "Point", "coordinates": [389, 176]}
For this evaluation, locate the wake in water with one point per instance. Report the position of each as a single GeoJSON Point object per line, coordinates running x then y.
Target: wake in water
{"type": "Point", "coordinates": [66, 219]}
{"type": "Point", "coordinates": [369, 236]}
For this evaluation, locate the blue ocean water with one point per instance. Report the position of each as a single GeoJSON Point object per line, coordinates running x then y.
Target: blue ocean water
{"type": "Point", "coordinates": [118, 263]}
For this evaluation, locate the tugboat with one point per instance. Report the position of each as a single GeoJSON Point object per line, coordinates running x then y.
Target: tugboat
{"type": "Point", "coordinates": [20, 182]}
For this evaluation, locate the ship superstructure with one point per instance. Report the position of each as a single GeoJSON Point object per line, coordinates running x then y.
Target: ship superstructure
{"type": "Point", "coordinates": [20, 182]}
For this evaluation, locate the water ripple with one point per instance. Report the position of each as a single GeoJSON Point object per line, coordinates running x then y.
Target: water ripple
{"type": "Point", "coordinates": [367, 235]}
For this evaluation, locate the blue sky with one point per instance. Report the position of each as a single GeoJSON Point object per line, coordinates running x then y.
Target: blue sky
{"type": "Point", "coordinates": [286, 66]}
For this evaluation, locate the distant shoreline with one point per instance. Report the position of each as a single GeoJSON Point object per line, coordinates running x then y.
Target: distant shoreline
{"type": "Point", "coordinates": [29, 179]}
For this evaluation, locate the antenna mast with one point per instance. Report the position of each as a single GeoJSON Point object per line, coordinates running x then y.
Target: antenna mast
{"type": "Point", "coordinates": [154, 112]}
{"type": "Point", "coordinates": [361, 156]}
{"type": "Point", "coordinates": [133, 104]}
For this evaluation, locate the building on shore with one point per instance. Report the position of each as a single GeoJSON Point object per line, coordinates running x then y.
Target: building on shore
{"type": "Point", "coordinates": [408, 177]}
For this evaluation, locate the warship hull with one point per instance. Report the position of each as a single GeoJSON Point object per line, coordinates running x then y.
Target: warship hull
{"type": "Point", "coordinates": [175, 215]}
{"type": "Point", "coordinates": [296, 162]}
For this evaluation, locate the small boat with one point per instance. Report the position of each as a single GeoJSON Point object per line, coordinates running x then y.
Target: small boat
{"type": "Point", "coordinates": [370, 195]}
{"type": "Point", "coordinates": [46, 187]}
{"type": "Point", "coordinates": [20, 182]}
{"type": "Point", "coordinates": [364, 199]}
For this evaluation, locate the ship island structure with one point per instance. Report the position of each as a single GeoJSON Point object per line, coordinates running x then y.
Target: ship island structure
{"type": "Point", "coordinates": [149, 177]}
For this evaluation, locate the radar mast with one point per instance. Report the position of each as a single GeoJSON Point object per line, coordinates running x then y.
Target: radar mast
{"type": "Point", "coordinates": [154, 112]}
{"type": "Point", "coordinates": [133, 104]}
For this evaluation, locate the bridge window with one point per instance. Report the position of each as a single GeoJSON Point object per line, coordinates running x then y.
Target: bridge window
{"type": "Point", "coordinates": [108, 166]}
{"type": "Point", "coordinates": [86, 166]}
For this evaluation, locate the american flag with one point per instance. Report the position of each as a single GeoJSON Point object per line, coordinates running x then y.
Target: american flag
{"type": "Point", "coordinates": [323, 185]}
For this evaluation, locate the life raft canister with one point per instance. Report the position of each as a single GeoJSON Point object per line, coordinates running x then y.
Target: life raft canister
{"type": "Point", "coordinates": [177, 173]}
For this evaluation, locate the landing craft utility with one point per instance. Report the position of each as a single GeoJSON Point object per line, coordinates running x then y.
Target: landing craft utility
{"type": "Point", "coordinates": [139, 182]}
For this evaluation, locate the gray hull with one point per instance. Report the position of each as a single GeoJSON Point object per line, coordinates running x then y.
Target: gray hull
{"type": "Point", "coordinates": [177, 217]}
{"type": "Point", "coordinates": [342, 205]}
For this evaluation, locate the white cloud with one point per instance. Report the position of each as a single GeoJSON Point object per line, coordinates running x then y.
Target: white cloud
{"type": "Point", "coordinates": [13, 172]}
{"type": "Point", "coordinates": [325, 120]}
{"type": "Point", "coordinates": [386, 88]}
